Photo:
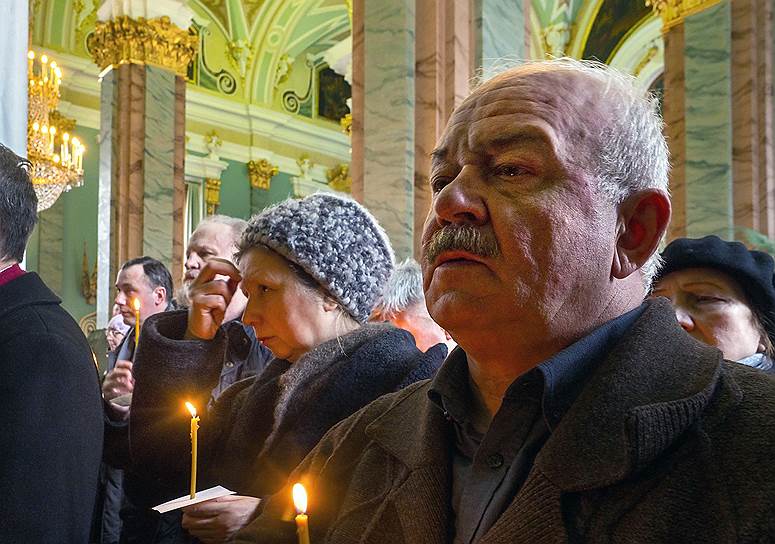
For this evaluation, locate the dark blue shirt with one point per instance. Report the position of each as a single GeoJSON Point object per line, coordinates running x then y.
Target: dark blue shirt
{"type": "Point", "coordinates": [490, 467]}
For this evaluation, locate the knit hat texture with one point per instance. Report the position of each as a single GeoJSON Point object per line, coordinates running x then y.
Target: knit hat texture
{"type": "Point", "coordinates": [335, 240]}
{"type": "Point", "coordinates": [752, 270]}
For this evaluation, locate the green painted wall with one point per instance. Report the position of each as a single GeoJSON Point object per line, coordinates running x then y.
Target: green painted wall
{"type": "Point", "coordinates": [80, 208]}
{"type": "Point", "coordinates": [236, 194]}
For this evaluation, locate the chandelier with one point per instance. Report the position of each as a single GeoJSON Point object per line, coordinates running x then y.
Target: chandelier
{"type": "Point", "coordinates": [56, 157]}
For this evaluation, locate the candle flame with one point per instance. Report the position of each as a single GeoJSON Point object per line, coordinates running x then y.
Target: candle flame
{"type": "Point", "coordinates": [300, 498]}
{"type": "Point", "coordinates": [191, 409]}
{"type": "Point", "coordinates": [136, 304]}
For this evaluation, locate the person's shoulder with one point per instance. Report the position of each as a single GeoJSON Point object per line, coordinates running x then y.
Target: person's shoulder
{"type": "Point", "coordinates": [357, 423]}
{"type": "Point", "coordinates": [740, 421]}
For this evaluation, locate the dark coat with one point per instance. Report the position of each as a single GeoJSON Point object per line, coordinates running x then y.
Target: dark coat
{"type": "Point", "coordinates": [242, 446]}
{"type": "Point", "coordinates": [50, 419]}
{"type": "Point", "coordinates": [665, 444]}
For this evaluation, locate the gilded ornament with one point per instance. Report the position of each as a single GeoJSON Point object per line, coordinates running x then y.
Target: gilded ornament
{"type": "Point", "coordinates": [212, 194]}
{"type": "Point", "coordinates": [339, 178]}
{"type": "Point", "coordinates": [158, 42]}
{"type": "Point", "coordinates": [261, 173]}
{"type": "Point", "coordinates": [346, 123]}
{"type": "Point", "coordinates": [673, 12]}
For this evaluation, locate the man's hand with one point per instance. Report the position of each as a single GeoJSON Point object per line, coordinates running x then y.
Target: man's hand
{"type": "Point", "coordinates": [118, 382]}
{"type": "Point", "coordinates": [217, 520]}
{"type": "Point", "coordinates": [210, 296]}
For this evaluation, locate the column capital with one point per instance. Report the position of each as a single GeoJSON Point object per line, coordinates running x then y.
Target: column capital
{"type": "Point", "coordinates": [157, 41]}
{"type": "Point", "coordinates": [261, 173]}
{"type": "Point", "coordinates": [673, 12]}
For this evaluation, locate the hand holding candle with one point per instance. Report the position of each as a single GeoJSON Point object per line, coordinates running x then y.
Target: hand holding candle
{"type": "Point", "coordinates": [194, 428]}
{"type": "Point", "coordinates": [136, 306]}
{"type": "Point", "coordinates": [302, 521]}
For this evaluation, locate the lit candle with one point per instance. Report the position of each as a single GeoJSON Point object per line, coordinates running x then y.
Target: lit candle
{"type": "Point", "coordinates": [66, 148]}
{"type": "Point", "coordinates": [30, 64]}
{"type": "Point", "coordinates": [44, 68]}
{"type": "Point", "coordinates": [136, 306]}
{"type": "Point", "coordinates": [302, 520]}
{"type": "Point", "coordinates": [52, 132]}
{"type": "Point", "coordinates": [194, 428]}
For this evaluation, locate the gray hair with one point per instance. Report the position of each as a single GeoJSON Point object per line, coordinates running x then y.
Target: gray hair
{"type": "Point", "coordinates": [236, 225]}
{"type": "Point", "coordinates": [402, 290]}
{"type": "Point", "coordinates": [627, 152]}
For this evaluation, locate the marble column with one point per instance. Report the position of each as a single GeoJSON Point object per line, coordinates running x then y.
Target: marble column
{"type": "Point", "coordinates": [442, 75]}
{"type": "Point", "coordinates": [709, 204]}
{"type": "Point", "coordinates": [141, 197]}
{"type": "Point", "coordinates": [752, 154]}
{"type": "Point", "coordinates": [13, 66]}
{"type": "Point", "coordinates": [718, 112]}
{"type": "Point", "coordinates": [675, 127]}
{"type": "Point", "coordinates": [498, 33]}
{"type": "Point", "coordinates": [383, 115]}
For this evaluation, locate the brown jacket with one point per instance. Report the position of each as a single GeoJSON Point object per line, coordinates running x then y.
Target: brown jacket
{"type": "Point", "coordinates": [665, 444]}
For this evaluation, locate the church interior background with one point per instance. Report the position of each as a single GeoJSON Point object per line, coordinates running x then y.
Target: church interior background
{"type": "Point", "coordinates": [188, 108]}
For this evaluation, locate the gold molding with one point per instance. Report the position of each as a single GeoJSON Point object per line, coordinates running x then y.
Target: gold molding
{"type": "Point", "coordinates": [346, 123]}
{"type": "Point", "coordinates": [212, 194]}
{"type": "Point", "coordinates": [673, 12]}
{"type": "Point", "coordinates": [261, 173]}
{"type": "Point", "coordinates": [159, 42]}
{"type": "Point", "coordinates": [339, 178]}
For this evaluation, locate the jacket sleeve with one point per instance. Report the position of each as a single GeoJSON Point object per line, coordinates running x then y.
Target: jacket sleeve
{"type": "Point", "coordinates": [168, 372]}
{"type": "Point", "coordinates": [326, 474]}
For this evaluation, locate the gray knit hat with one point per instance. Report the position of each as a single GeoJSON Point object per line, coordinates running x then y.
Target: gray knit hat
{"type": "Point", "coordinates": [332, 238]}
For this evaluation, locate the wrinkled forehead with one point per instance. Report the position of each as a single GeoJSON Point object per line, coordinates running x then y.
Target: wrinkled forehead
{"type": "Point", "coordinates": [567, 104]}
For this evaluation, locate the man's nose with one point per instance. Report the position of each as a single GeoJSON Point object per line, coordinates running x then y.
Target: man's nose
{"type": "Point", "coordinates": [120, 299]}
{"type": "Point", "coordinates": [684, 318]}
{"type": "Point", "coordinates": [193, 261]}
{"type": "Point", "coordinates": [460, 201]}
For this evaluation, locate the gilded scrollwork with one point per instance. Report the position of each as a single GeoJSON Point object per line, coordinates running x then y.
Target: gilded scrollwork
{"type": "Point", "coordinates": [339, 178]}
{"type": "Point", "coordinates": [143, 41]}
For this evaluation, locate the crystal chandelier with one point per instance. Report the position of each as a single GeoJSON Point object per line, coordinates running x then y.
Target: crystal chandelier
{"type": "Point", "coordinates": [56, 157]}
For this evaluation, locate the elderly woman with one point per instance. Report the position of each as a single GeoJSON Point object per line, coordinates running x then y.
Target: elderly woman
{"type": "Point", "coordinates": [723, 296]}
{"type": "Point", "coordinates": [312, 270]}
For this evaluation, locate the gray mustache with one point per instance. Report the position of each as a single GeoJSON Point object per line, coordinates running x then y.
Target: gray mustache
{"type": "Point", "coordinates": [464, 238]}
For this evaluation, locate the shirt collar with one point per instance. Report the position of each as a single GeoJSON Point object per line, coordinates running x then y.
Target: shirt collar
{"type": "Point", "coordinates": [10, 273]}
{"type": "Point", "coordinates": [563, 374]}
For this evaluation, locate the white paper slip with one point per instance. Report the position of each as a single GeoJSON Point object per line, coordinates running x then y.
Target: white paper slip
{"type": "Point", "coordinates": [186, 500]}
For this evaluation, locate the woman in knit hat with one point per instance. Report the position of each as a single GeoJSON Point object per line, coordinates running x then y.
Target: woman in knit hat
{"type": "Point", "coordinates": [723, 296]}
{"type": "Point", "coordinates": [312, 270]}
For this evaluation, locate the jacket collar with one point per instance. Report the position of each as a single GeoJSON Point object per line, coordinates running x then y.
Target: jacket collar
{"type": "Point", "coordinates": [648, 391]}
{"type": "Point", "coordinates": [636, 403]}
{"type": "Point", "coordinates": [24, 291]}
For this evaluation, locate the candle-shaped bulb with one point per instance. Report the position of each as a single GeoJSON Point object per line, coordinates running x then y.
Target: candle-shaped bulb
{"type": "Point", "coordinates": [56, 158]}
{"type": "Point", "coordinates": [300, 498]}
{"type": "Point", "coordinates": [76, 142]}
{"type": "Point", "coordinates": [44, 59]}
{"type": "Point", "coordinates": [45, 129]}
{"type": "Point", "coordinates": [66, 136]}
{"type": "Point", "coordinates": [52, 130]}
{"type": "Point", "coordinates": [31, 55]}
{"type": "Point", "coordinates": [35, 126]}
{"type": "Point", "coordinates": [58, 72]}
{"type": "Point", "coordinates": [191, 409]}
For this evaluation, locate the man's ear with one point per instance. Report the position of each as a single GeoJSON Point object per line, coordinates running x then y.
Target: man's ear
{"type": "Point", "coordinates": [643, 220]}
{"type": "Point", "coordinates": [160, 296]}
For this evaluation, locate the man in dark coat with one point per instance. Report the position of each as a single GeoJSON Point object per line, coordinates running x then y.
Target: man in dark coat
{"type": "Point", "coordinates": [50, 405]}
{"type": "Point", "coordinates": [572, 411]}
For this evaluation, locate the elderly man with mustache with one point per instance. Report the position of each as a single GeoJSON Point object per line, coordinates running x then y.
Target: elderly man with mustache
{"type": "Point", "coordinates": [572, 411]}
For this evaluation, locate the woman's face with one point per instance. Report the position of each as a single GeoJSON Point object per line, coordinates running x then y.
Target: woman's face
{"type": "Point", "coordinates": [712, 307]}
{"type": "Point", "coordinates": [288, 317]}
